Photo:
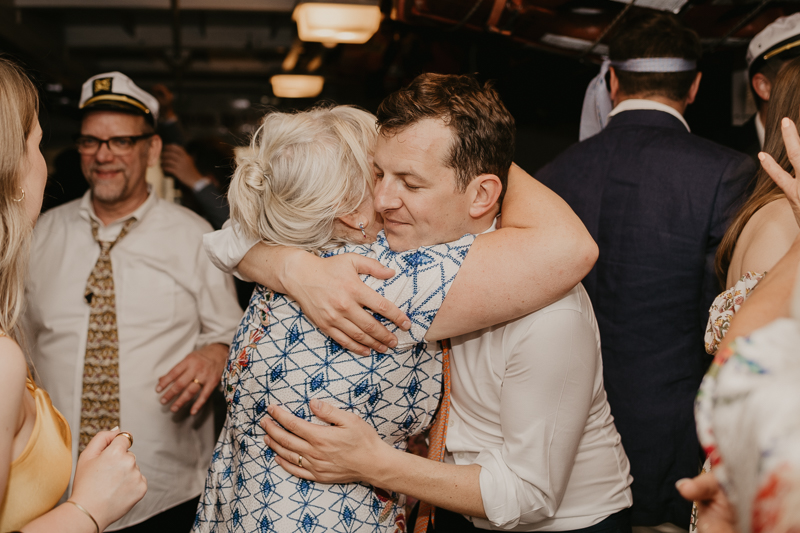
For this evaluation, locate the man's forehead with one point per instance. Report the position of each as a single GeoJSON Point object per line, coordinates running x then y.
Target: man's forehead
{"type": "Point", "coordinates": [120, 123]}
{"type": "Point", "coordinates": [425, 139]}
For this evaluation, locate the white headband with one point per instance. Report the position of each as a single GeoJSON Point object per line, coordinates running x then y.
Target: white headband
{"type": "Point", "coordinates": [656, 64]}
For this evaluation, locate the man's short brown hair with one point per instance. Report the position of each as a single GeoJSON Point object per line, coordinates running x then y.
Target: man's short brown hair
{"type": "Point", "coordinates": [483, 129]}
{"type": "Point", "coordinates": [654, 34]}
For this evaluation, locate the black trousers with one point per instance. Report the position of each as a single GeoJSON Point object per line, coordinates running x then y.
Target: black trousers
{"type": "Point", "coordinates": [450, 522]}
{"type": "Point", "coordinates": [178, 519]}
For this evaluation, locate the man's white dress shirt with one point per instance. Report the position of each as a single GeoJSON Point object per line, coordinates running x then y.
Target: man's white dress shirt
{"type": "Point", "coordinates": [635, 104]}
{"type": "Point", "coordinates": [528, 405]}
{"type": "Point", "coordinates": [170, 301]}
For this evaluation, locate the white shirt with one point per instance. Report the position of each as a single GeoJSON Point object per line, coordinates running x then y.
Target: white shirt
{"type": "Point", "coordinates": [528, 405]}
{"type": "Point", "coordinates": [227, 247]}
{"type": "Point", "coordinates": [170, 301]}
{"type": "Point", "coordinates": [760, 130]}
{"type": "Point", "coordinates": [640, 104]}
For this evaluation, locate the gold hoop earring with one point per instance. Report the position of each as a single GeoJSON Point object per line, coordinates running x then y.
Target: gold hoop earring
{"type": "Point", "coordinates": [21, 197]}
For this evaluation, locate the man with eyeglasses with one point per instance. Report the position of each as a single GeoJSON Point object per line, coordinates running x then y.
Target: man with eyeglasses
{"type": "Point", "coordinates": [127, 319]}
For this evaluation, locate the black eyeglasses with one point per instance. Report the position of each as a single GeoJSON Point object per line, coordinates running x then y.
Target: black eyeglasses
{"type": "Point", "coordinates": [116, 145]}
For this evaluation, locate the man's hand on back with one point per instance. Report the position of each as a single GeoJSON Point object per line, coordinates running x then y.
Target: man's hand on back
{"type": "Point", "coordinates": [197, 375]}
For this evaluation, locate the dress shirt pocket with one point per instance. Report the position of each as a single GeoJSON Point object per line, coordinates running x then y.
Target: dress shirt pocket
{"type": "Point", "coordinates": [148, 297]}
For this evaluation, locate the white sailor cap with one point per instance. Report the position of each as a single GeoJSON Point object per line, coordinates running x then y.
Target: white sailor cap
{"type": "Point", "coordinates": [781, 38]}
{"type": "Point", "coordinates": [114, 91]}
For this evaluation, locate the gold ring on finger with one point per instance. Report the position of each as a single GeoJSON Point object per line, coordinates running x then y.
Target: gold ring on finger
{"type": "Point", "coordinates": [128, 436]}
{"type": "Point", "coordinates": [197, 381]}
{"type": "Point", "coordinates": [300, 461]}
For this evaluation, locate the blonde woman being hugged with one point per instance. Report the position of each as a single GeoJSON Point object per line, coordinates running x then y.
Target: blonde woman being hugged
{"type": "Point", "coordinates": [35, 444]}
{"type": "Point", "coordinates": [764, 228]}
{"type": "Point", "coordinates": [312, 185]}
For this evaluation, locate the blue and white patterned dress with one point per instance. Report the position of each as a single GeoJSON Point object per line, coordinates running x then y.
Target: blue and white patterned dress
{"type": "Point", "coordinates": [279, 357]}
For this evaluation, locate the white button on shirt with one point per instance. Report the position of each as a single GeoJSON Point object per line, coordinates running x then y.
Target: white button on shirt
{"type": "Point", "coordinates": [528, 405]}
{"type": "Point", "coordinates": [170, 301]}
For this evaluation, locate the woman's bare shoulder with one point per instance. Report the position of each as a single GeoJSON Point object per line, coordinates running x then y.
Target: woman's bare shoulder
{"type": "Point", "coordinates": [12, 362]}
{"type": "Point", "coordinates": [766, 238]}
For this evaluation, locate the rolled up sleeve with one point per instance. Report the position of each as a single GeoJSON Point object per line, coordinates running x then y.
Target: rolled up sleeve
{"type": "Point", "coordinates": [227, 247]}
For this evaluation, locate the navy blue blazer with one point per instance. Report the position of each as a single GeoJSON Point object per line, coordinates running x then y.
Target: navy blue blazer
{"type": "Point", "coordinates": [657, 200]}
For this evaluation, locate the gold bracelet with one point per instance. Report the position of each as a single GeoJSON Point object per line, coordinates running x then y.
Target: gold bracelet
{"type": "Point", "coordinates": [87, 513]}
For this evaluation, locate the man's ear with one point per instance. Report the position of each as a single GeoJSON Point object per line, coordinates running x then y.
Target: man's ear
{"type": "Point", "coordinates": [694, 88]}
{"type": "Point", "coordinates": [762, 86]}
{"type": "Point", "coordinates": [154, 152]}
{"type": "Point", "coordinates": [613, 85]}
{"type": "Point", "coordinates": [486, 193]}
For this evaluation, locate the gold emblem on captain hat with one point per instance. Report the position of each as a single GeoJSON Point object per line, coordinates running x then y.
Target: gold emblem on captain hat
{"type": "Point", "coordinates": [102, 85]}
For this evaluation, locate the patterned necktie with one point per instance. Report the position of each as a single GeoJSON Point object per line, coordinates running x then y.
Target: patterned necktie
{"type": "Point", "coordinates": [100, 397]}
{"type": "Point", "coordinates": [437, 438]}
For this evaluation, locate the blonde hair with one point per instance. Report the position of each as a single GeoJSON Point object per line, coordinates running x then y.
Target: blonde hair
{"type": "Point", "coordinates": [19, 111]}
{"type": "Point", "coordinates": [305, 170]}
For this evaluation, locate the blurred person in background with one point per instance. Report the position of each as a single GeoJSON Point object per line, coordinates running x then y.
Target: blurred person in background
{"type": "Point", "coordinates": [767, 52]}
{"type": "Point", "coordinates": [123, 304]}
{"type": "Point", "coordinates": [657, 200]}
{"type": "Point", "coordinates": [764, 228]}
{"type": "Point", "coordinates": [35, 443]}
{"type": "Point", "coordinates": [204, 168]}
{"type": "Point", "coordinates": [169, 127]}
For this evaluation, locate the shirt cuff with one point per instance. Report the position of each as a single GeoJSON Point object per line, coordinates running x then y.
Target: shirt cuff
{"type": "Point", "coordinates": [201, 184]}
{"type": "Point", "coordinates": [498, 491]}
{"type": "Point", "coordinates": [227, 247]}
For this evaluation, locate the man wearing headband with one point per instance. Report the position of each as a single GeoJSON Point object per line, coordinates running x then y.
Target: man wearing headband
{"type": "Point", "coordinates": [657, 200]}
{"type": "Point", "coordinates": [766, 54]}
{"type": "Point", "coordinates": [123, 304]}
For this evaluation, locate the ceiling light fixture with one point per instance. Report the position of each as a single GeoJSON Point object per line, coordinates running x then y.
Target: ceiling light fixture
{"type": "Point", "coordinates": [296, 85]}
{"type": "Point", "coordinates": [337, 21]}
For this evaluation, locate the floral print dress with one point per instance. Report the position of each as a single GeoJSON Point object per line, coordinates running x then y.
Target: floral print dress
{"type": "Point", "coordinates": [746, 413]}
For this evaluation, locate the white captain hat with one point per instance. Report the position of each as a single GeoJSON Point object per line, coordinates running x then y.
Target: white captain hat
{"type": "Point", "coordinates": [114, 91]}
{"type": "Point", "coordinates": [779, 39]}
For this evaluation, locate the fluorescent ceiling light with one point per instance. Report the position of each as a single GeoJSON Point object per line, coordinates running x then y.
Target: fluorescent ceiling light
{"type": "Point", "coordinates": [337, 22]}
{"type": "Point", "coordinates": [296, 85]}
{"type": "Point", "coordinates": [672, 6]}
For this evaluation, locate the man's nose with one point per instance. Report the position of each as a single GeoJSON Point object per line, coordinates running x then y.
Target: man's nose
{"type": "Point", "coordinates": [104, 154]}
{"type": "Point", "coordinates": [386, 197]}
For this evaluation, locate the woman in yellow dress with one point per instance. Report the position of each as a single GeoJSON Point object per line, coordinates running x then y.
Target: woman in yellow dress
{"type": "Point", "coordinates": [35, 444]}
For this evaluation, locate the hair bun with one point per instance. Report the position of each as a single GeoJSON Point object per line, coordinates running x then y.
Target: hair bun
{"type": "Point", "coordinates": [254, 175]}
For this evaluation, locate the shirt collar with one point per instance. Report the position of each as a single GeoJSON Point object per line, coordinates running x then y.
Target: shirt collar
{"type": "Point", "coordinates": [639, 103]}
{"type": "Point", "coordinates": [87, 209]}
{"type": "Point", "coordinates": [760, 130]}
